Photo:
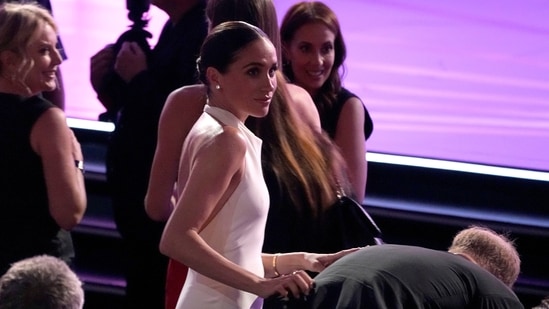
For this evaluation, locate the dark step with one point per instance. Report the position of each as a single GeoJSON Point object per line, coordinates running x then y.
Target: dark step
{"type": "Point", "coordinates": [100, 296]}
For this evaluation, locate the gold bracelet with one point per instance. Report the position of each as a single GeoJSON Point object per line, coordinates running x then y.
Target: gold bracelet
{"type": "Point", "coordinates": [275, 270]}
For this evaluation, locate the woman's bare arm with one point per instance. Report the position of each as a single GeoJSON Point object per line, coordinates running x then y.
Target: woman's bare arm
{"type": "Point", "coordinates": [183, 107]}
{"type": "Point", "coordinates": [350, 139]}
{"type": "Point", "coordinates": [58, 149]}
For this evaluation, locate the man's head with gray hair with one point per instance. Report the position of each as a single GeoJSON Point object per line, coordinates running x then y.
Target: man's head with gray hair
{"type": "Point", "coordinates": [44, 282]}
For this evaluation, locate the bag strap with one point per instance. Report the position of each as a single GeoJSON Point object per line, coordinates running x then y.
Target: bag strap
{"type": "Point", "coordinates": [372, 226]}
{"type": "Point", "coordinates": [340, 191]}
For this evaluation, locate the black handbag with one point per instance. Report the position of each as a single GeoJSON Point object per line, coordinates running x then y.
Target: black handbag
{"type": "Point", "coordinates": [357, 226]}
{"type": "Point", "coordinates": [348, 225]}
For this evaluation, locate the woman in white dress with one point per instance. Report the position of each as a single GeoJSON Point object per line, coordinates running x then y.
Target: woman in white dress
{"type": "Point", "coordinates": [218, 224]}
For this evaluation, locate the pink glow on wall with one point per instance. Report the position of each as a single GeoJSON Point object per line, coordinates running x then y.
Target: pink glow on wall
{"type": "Point", "coordinates": [461, 80]}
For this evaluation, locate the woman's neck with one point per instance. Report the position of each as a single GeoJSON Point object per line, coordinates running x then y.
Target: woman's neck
{"type": "Point", "coordinates": [8, 86]}
{"type": "Point", "coordinates": [216, 101]}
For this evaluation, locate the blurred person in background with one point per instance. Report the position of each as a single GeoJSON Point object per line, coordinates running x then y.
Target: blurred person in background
{"type": "Point", "coordinates": [145, 78]}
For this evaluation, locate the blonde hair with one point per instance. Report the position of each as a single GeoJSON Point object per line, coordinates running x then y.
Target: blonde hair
{"type": "Point", "coordinates": [492, 251]}
{"type": "Point", "coordinates": [19, 22]}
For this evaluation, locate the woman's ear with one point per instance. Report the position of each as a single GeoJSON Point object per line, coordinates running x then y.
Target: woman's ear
{"type": "Point", "coordinates": [213, 76]}
{"type": "Point", "coordinates": [285, 54]}
{"type": "Point", "coordinates": [4, 59]}
{"type": "Point", "coordinates": [8, 61]}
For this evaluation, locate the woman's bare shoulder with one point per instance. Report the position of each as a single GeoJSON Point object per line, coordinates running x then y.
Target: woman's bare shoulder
{"type": "Point", "coordinates": [304, 105]}
{"type": "Point", "coordinates": [298, 94]}
{"type": "Point", "coordinates": [229, 141]}
{"type": "Point", "coordinates": [186, 94]}
{"type": "Point", "coordinates": [188, 100]}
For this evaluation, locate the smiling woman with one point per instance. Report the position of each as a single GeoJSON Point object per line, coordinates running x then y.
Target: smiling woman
{"type": "Point", "coordinates": [314, 54]}
{"type": "Point", "coordinates": [46, 58]}
{"type": "Point", "coordinates": [39, 150]}
{"type": "Point", "coordinates": [33, 70]}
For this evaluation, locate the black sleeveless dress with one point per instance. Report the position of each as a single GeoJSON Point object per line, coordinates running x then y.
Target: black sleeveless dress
{"type": "Point", "coordinates": [26, 226]}
{"type": "Point", "coordinates": [329, 119]}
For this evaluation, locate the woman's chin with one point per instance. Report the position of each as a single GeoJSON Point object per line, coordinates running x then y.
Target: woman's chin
{"type": "Point", "coordinates": [262, 113]}
{"type": "Point", "coordinates": [49, 87]}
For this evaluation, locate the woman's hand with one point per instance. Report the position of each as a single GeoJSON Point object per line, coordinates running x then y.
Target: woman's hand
{"type": "Point", "coordinates": [318, 262]}
{"type": "Point", "coordinates": [295, 284]}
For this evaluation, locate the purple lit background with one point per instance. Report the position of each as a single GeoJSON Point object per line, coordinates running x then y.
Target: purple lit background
{"type": "Point", "coordinates": [459, 80]}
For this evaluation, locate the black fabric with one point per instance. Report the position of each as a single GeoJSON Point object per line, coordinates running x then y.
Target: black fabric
{"type": "Point", "coordinates": [288, 229]}
{"type": "Point", "coordinates": [26, 226]}
{"type": "Point", "coordinates": [406, 277]}
{"type": "Point", "coordinates": [330, 118]}
{"type": "Point", "coordinates": [346, 224]}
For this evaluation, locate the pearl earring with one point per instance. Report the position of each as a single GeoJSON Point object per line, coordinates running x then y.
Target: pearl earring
{"type": "Point", "coordinates": [217, 87]}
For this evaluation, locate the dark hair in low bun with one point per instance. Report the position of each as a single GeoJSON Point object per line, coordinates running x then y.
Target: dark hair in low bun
{"type": "Point", "coordinates": [221, 46]}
